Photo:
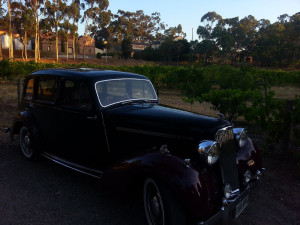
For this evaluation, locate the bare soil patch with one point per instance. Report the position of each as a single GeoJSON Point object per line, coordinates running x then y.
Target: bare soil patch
{"type": "Point", "coordinates": [43, 193]}
{"type": "Point", "coordinates": [100, 62]}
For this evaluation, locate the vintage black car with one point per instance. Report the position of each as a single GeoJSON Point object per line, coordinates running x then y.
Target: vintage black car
{"type": "Point", "coordinates": [191, 169]}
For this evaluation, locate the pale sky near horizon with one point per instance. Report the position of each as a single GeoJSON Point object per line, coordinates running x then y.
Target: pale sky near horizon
{"type": "Point", "coordinates": [189, 12]}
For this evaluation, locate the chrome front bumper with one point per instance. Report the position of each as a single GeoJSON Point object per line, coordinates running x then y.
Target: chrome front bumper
{"type": "Point", "coordinates": [227, 213]}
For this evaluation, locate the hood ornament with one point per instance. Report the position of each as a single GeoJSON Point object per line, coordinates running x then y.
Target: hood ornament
{"type": "Point", "coordinates": [164, 149]}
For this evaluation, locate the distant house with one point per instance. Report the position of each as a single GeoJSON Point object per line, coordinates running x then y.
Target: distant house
{"type": "Point", "coordinates": [156, 44]}
{"type": "Point", "coordinates": [138, 47]}
{"type": "Point", "coordinates": [47, 44]}
{"type": "Point", "coordinates": [177, 38]}
{"type": "Point", "coordinates": [86, 44]}
{"type": "Point", "coordinates": [17, 44]}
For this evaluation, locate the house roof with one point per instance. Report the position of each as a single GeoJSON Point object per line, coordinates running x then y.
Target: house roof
{"type": "Point", "coordinates": [137, 43]}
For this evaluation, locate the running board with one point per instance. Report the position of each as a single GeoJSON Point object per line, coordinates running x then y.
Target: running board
{"type": "Point", "coordinates": [88, 171]}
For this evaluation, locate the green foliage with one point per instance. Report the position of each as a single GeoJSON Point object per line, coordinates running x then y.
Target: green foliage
{"type": "Point", "coordinates": [126, 47]}
{"type": "Point", "coordinates": [296, 121]}
{"type": "Point", "coordinates": [232, 103]}
{"type": "Point", "coordinates": [98, 55]}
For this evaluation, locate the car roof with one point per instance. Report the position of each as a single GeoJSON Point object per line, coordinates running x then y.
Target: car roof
{"type": "Point", "coordinates": [89, 73]}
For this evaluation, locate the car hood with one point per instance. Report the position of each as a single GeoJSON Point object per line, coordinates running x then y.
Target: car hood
{"type": "Point", "coordinates": [152, 118]}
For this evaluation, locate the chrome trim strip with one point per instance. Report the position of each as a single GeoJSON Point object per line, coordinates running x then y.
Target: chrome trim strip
{"type": "Point", "coordinates": [152, 133]}
{"type": "Point", "coordinates": [156, 99]}
{"type": "Point", "coordinates": [73, 166]}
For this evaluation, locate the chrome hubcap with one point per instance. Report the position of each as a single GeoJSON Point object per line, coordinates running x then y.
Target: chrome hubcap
{"type": "Point", "coordinates": [155, 207]}
{"type": "Point", "coordinates": [25, 142]}
{"type": "Point", "coordinates": [153, 204]}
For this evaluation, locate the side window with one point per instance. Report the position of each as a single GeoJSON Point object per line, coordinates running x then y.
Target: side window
{"type": "Point", "coordinates": [29, 89]}
{"type": "Point", "coordinates": [76, 94]}
{"type": "Point", "coordinates": [47, 89]}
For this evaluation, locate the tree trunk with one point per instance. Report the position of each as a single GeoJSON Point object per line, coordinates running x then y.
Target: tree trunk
{"type": "Point", "coordinates": [25, 44]}
{"type": "Point", "coordinates": [56, 41]}
{"type": "Point", "coordinates": [0, 47]}
{"type": "Point", "coordinates": [74, 56]}
{"type": "Point", "coordinates": [11, 46]}
{"type": "Point", "coordinates": [67, 50]}
{"type": "Point", "coordinates": [39, 52]}
{"type": "Point", "coordinates": [56, 30]}
{"type": "Point", "coordinates": [36, 53]}
{"type": "Point", "coordinates": [83, 52]}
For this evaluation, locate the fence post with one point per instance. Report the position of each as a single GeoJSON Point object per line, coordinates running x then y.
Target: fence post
{"type": "Point", "coordinates": [289, 106]}
{"type": "Point", "coordinates": [20, 89]}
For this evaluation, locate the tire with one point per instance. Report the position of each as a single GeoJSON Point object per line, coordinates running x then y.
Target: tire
{"type": "Point", "coordinates": [27, 144]}
{"type": "Point", "coordinates": [161, 205]}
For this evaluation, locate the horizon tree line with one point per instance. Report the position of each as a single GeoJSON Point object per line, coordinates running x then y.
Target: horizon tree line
{"type": "Point", "coordinates": [226, 39]}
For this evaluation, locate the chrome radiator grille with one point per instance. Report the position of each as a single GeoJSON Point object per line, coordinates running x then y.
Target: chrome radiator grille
{"type": "Point", "coordinates": [227, 159]}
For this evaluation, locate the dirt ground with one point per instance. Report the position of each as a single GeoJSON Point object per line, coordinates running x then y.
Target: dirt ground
{"type": "Point", "coordinates": [44, 193]}
{"type": "Point", "coordinates": [100, 62]}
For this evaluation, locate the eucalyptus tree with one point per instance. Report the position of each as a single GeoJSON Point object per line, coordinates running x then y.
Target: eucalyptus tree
{"type": "Point", "coordinates": [55, 13]}
{"type": "Point", "coordinates": [73, 13]}
{"type": "Point", "coordinates": [37, 7]}
{"type": "Point", "coordinates": [23, 18]}
{"type": "Point", "coordinates": [3, 24]}
{"type": "Point", "coordinates": [95, 16]}
{"type": "Point", "coordinates": [209, 20]}
{"type": "Point", "coordinates": [6, 25]}
{"type": "Point", "coordinates": [175, 31]}
{"type": "Point", "coordinates": [136, 25]}
{"type": "Point", "coordinates": [205, 33]}
{"type": "Point", "coordinates": [293, 36]}
{"type": "Point", "coordinates": [65, 29]}
{"type": "Point", "coordinates": [126, 48]}
{"type": "Point", "coordinates": [93, 11]}
{"type": "Point", "coordinates": [11, 46]}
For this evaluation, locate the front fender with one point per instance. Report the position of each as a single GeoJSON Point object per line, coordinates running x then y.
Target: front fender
{"type": "Point", "coordinates": [249, 158]}
{"type": "Point", "coordinates": [24, 118]}
{"type": "Point", "coordinates": [195, 188]}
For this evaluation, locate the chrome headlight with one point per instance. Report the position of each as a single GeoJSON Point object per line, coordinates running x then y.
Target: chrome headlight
{"type": "Point", "coordinates": [241, 136]}
{"type": "Point", "coordinates": [211, 150]}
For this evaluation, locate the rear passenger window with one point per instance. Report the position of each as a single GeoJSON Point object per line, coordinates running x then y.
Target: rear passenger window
{"type": "Point", "coordinates": [29, 89]}
{"type": "Point", "coordinates": [76, 94]}
{"type": "Point", "coordinates": [47, 89]}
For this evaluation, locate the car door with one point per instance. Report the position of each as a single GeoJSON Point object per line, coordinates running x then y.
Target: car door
{"type": "Point", "coordinates": [42, 108]}
{"type": "Point", "coordinates": [80, 132]}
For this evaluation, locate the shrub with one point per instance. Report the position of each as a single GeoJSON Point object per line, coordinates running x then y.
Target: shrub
{"type": "Point", "coordinates": [98, 55]}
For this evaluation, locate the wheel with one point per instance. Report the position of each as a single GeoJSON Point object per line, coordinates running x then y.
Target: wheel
{"type": "Point", "coordinates": [27, 144]}
{"type": "Point", "coordinates": [161, 205]}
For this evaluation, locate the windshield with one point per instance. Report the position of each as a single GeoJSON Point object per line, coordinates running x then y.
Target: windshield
{"type": "Point", "coordinates": [123, 90]}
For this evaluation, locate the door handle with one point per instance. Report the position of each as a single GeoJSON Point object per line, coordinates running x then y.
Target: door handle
{"type": "Point", "coordinates": [92, 117]}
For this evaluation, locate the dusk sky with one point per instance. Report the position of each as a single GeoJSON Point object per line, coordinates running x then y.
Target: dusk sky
{"type": "Point", "coordinates": [189, 12]}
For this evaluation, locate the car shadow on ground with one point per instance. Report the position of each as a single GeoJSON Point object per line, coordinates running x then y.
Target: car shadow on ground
{"type": "Point", "coordinates": [43, 192]}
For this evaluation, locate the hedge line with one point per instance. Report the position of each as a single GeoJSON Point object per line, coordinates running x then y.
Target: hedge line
{"type": "Point", "coordinates": [226, 76]}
